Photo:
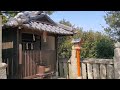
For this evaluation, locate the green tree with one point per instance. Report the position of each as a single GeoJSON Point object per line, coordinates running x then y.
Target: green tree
{"type": "Point", "coordinates": [65, 22]}
{"type": "Point", "coordinates": [64, 49]}
{"type": "Point", "coordinates": [112, 19]}
{"type": "Point", "coordinates": [105, 48]}
{"type": "Point", "coordinates": [89, 44]}
{"type": "Point", "coordinates": [95, 44]}
{"type": "Point", "coordinates": [7, 14]}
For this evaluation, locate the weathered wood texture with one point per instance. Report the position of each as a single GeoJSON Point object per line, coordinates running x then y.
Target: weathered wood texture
{"type": "Point", "coordinates": [63, 68]}
{"type": "Point", "coordinates": [9, 52]}
{"type": "Point", "coordinates": [29, 65]}
{"type": "Point", "coordinates": [31, 59]}
{"type": "Point", "coordinates": [49, 58]}
{"type": "Point", "coordinates": [23, 57]}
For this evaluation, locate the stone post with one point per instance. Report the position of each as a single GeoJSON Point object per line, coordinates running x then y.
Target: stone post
{"type": "Point", "coordinates": [117, 60]}
{"type": "Point", "coordinates": [2, 65]}
{"type": "Point", "coordinates": [3, 71]}
{"type": "Point", "coordinates": [73, 63]}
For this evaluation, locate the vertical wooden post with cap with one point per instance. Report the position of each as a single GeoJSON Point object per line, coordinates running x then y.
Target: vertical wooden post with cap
{"type": "Point", "coordinates": [76, 43]}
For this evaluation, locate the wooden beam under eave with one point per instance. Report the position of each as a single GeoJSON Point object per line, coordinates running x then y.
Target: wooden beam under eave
{"type": "Point", "coordinates": [36, 32]}
{"type": "Point", "coordinates": [40, 32]}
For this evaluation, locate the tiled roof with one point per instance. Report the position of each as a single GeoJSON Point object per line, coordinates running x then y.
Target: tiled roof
{"type": "Point", "coordinates": [33, 21]}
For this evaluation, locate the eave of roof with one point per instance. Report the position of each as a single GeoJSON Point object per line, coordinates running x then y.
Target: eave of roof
{"type": "Point", "coordinates": [31, 22]}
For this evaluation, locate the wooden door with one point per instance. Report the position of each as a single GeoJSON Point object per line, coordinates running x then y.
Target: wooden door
{"type": "Point", "coordinates": [30, 58]}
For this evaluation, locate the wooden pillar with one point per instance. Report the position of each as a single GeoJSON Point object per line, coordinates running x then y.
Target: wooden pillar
{"type": "Point", "coordinates": [56, 47]}
{"type": "Point", "coordinates": [0, 39]}
{"type": "Point", "coordinates": [117, 60]}
{"type": "Point", "coordinates": [20, 48]}
{"type": "Point", "coordinates": [19, 54]}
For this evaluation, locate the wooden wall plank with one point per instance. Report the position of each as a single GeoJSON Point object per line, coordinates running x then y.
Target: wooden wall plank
{"type": "Point", "coordinates": [65, 69]}
{"type": "Point", "coordinates": [15, 52]}
{"type": "Point", "coordinates": [89, 71]}
{"type": "Point", "coordinates": [84, 71]}
{"type": "Point", "coordinates": [36, 66]}
{"type": "Point", "coordinates": [12, 64]}
{"type": "Point", "coordinates": [103, 71]}
{"type": "Point", "coordinates": [28, 63]}
{"type": "Point", "coordinates": [96, 73]}
{"type": "Point", "coordinates": [61, 69]}
{"type": "Point", "coordinates": [25, 63]}
{"type": "Point", "coordinates": [34, 63]}
{"type": "Point", "coordinates": [31, 62]}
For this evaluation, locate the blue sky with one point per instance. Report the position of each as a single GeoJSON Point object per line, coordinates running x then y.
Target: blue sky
{"type": "Point", "coordinates": [86, 19]}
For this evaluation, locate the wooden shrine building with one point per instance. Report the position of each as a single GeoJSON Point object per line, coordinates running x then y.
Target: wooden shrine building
{"type": "Point", "coordinates": [29, 40]}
